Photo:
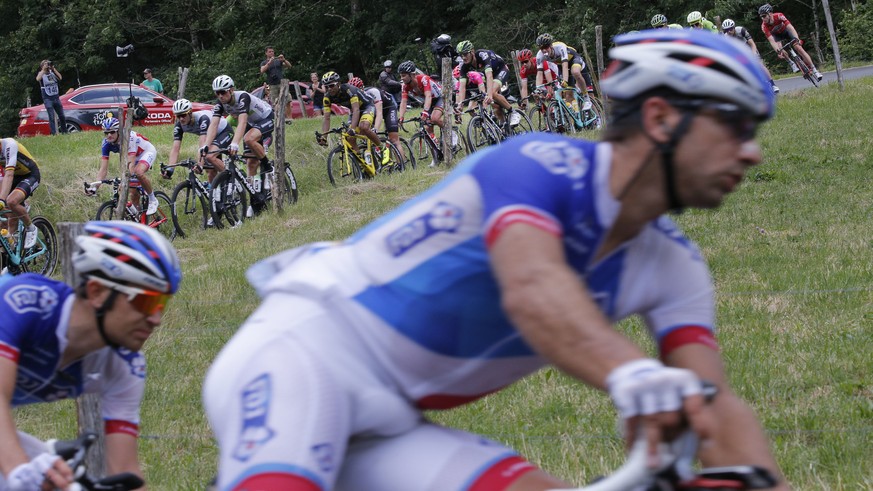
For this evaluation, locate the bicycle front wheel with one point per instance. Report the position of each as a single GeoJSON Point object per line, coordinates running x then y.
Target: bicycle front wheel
{"type": "Point", "coordinates": [42, 257]}
{"type": "Point", "coordinates": [162, 219]}
{"type": "Point", "coordinates": [342, 168]}
{"type": "Point", "coordinates": [480, 134]}
{"type": "Point", "coordinates": [524, 124]}
{"type": "Point", "coordinates": [537, 117]}
{"type": "Point", "coordinates": [189, 209]}
{"type": "Point", "coordinates": [228, 201]}
{"type": "Point", "coordinates": [422, 152]}
{"type": "Point", "coordinates": [106, 211]}
{"type": "Point", "coordinates": [290, 191]}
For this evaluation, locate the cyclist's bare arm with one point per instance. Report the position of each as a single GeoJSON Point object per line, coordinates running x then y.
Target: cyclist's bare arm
{"type": "Point", "coordinates": [121, 454]}
{"type": "Point", "coordinates": [11, 453]}
{"type": "Point", "coordinates": [174, 151]}
{"type": "Point", "coordinates": [356, 114]}
{"type": "Point", "coordinates": [104, 168]}
{"type": "Point", "coordinates": [6, 184]}
{"type": "Point", "coordinates": [377, 118]}
{"type": "Point", "coordinates": [404, 99]}
{"type": "Point", "coordinates": [737, 437]}
{"type": "Point", "coordinates": [565, 67]}
{"type": "Point", "coordinates": [462, 89]}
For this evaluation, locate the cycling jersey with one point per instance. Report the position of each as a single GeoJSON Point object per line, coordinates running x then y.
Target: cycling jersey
{"type": "Point", "coordinates": [560, 53]}
{"type": "Point", "coordinates": [245, 103]}
{"type": "Point", "coordinates": [198, 125]}
{"type": "Point", "coordinates": [16, 158]}
{"type": "Point", "coordinates": [740, 33]}
{"type": "Point", "coordinates": [483, 61]}
{"type": "Point", "coordinates": [408, 315]}
{"type": "Point", "coordinates": [380, 95]}
{"type": "Point", "coordinates": [423, 84]}
{"type": "Point", "coordinates": [136, 145]}
{"type": "Point", "coordinates": [527, 70]}
{"type": "Point", "coordinates": [778, 26]}
{"type": "Point", "coordinates": [346, 96]}
{"type": "Point", "coordinates": [33, 334]}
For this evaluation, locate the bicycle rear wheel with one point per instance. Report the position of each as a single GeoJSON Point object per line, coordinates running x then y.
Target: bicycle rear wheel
{"type": "Point", "coordinates": [190, 211]}
{"type": "Point", "coordinates": [162, 219]}
{"type": "Point", "coordinates": [538, 119]}
{"type": "Point", "coordinates": [228, 201]}
{"type": "Point", "coordinates": [42, 257]}
{"type": "Point", "coordinates": [342, 168]}
{"type": "Point", "coordinates": [396, 162]}
{"type": "Point", "coordinates": [524, 124]}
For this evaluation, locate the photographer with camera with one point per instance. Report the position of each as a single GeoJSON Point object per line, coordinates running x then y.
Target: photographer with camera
{"type": "Point", "coordinates": [48, 77]}
{"type": "Point", "coordinates": [273, 66]}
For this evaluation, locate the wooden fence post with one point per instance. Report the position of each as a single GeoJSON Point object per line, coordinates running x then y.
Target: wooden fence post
{"type": "Point", "coordinates": [124, 169]}
{"type": "Point", "coordinates": [300, 99]}
{"type": "Point", "coordinates": [87, 405]}
{"type": "Point", "coordinates": [183, 80]}
{"type": "Point", "coordinates": [836, 47]}
{"type": "Point", "coordinates": [276, 179]}
{"type": "Point", "coordinates": [595, 74]}
{"type": "Point", "coordinates": [598, 48]}
{"type": "Point", "coordinates": [448, 111]}
{"type": "Point", "coordinates": [517, 65]}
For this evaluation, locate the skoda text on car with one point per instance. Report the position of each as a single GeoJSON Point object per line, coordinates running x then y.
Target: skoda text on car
{"type": "Point", "coordinates": [85, 108]}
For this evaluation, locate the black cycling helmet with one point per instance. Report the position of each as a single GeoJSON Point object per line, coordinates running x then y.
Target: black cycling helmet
{"type": "Point", "coordinates": [544, 40]}
{"type": "Point", "coordinates": [765, 9]}
{"type": "Point", "coordinates": [406, 67]}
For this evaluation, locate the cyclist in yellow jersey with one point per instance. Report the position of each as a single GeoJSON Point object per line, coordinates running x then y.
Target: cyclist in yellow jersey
{"type": "Point", "coordinates": [20, 178]}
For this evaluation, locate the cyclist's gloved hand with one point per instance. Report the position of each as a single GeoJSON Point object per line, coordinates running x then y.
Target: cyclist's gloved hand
{"type": "Point", "coordinates": [646, 386]}
{"type": "Point", "coordinates": [234, 148]}
{"type": "Point", "coordinates": [425, 115]}
{"type": "Point", "coordinates": [30, 476]}
{"type": "Point", "coordinates": [321, 140]}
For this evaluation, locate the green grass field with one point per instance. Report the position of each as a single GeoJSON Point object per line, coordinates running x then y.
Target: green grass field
{"type": "Point", "coordinates": [791, 253]}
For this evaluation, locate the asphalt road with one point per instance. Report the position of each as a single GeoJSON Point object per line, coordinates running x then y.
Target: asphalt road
{"type": "Point", "coordinates": [796, 83]}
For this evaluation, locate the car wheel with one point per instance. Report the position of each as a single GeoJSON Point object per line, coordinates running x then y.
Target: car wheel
{"type": "Point", "coordinates": [73, 127]}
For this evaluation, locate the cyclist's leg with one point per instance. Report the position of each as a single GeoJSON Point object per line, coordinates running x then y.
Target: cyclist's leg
{"type": "Point", "coordinates": [279, 414]}
{"type": "Point", "coordinates": [146, 159]}
{"type": "Point", "coordinates": [365, 125]}
{"type": "Point", "coordinates": [252, 140]}
{"type": "Point", "coordinates": [806, 58]}
{"type": "Point", "coordinates": [435, 457]}
{"type": "Point", "coordinates": [392, 127]}
{"type": "Point", "coordinates": [436, 111]}
{"type": "Point", "coordinates": [22, 188]}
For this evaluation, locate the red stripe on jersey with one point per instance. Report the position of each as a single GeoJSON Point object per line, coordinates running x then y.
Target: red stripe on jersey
{"type": "Point", "coordinates": [118, 426]}
{"type": "Point", "coordinates": [502, 475]}
{"type": "Point", "coordinates": [275, 481]}
{"type": "Point", "coordinates": [446, 401]}
{"type": "Point", "coordinates": [687, 335]}
{"type": "Point", "coordinates": [511, 217]}
{"type": "Point", "coordinates": [11, 353]}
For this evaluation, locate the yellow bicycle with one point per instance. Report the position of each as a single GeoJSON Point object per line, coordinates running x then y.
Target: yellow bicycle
{"type": "Point", "coordinates": [354, 159]}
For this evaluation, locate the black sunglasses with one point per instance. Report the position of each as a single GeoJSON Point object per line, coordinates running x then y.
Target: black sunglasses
{"type": "Point", "coordinates": [331, 86]}
{"type": "Point", "coordinates": [220, 92]}
{"type": "Point", "coordinates": [110, 132]}
{"type": "Point", "coordinates": [741, 123]}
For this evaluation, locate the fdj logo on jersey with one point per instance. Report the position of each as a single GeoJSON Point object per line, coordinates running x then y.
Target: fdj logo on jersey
{"type": "Point", "coordinates": [255, 400]}
{"type": "Point", "coordinates": [442, 218]}
{"type": "Point", "coordinates": [28, 298]}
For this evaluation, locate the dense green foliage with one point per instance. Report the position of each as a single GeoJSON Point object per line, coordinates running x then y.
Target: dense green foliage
{"type": "Point", "coordinates": [229, 36]}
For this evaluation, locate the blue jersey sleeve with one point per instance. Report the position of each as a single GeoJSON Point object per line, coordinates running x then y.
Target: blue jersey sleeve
{"type": "Point", "coordinates": [30, 304]}
{"type": "Point", "coordinates": [106, 148]}
{"type": "Point", "coordinates": [533, 179]}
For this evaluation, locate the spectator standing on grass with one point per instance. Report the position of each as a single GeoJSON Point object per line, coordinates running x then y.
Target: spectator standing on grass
{"type": "Point", "coordinates": [274, 69]}
{"type": "Point", "coordinates": [316, 91]}
{"type": "Point", "coordinates": [151, 82]}
{"type": "Point", "coordinates": [490, 275]}
{"type": "Point", "coordinates": [389, 82]}
{"type": "Point", "coordinates": [48, 77]}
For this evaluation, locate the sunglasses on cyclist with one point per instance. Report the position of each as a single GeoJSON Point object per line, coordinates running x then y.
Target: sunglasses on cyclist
{"type": "Point", "coordinates": [220, 92]}
{"type": "Point", "coordinates": [333, 85]}
{"type": "Point", "coordinates": [147, 302]}
{"type": "Point", "coordinates": [734, 117]}
{"type": "Point", "coordinates": [694, 24]}
{"type": "Point", "coordinates": [110, 132]}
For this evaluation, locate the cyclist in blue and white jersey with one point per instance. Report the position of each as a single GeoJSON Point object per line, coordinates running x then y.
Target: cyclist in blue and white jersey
{"type": "Point", "coordinates": [57, 342]}
{"type": "Point", "coordinates": [141, 156]}
{"type": "Point", "coordinates": [188, 121]}
{"type": "Point", "coordinates": [385, 112]}
{"type": "Point", "coordinates": [524, 256]}
{"type": "Point", "coordinates": [496, 75]}
{"type": "Point", "coordinates": [254, 124]}
{"type": "Point", "coordinates": [570, 63]}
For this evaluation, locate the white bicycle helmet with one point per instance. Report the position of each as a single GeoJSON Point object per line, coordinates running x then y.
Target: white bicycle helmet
{"type": "Point", "coordinates": [128, 253]}
{"type": "Point", "coordinates": [694, 17]}
{"type": "Point", "coordinates": [690, 62]}
{"type": "Point", "coordinates": [181, 106]}
{"type": "Point", "coordinates": [222, 82]}
{"type": "Point", "coordinates": [728, 24]}
{"type": "Point", "coordinates": [659, 20]}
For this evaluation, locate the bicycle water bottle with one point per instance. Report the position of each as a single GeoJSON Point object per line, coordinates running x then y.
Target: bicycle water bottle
{"type": "Point", "coordinates": [130, 208]}
{"type": "Point", "coordinates": [256, 183]}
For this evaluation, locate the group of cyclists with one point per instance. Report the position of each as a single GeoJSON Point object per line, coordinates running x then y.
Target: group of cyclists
{"type": "Point", "coordinates": [776, 28]}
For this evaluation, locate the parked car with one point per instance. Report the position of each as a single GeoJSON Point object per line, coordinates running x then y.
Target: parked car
{"type": "Point", "coordinates": [296, 111]}
{"type": "Point", "coordinates": [85, 108]}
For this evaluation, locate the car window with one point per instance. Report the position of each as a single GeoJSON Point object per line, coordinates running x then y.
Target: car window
{"type": "Point", "coordinates": [105, 95]}
{"type": "Point", "coordinates": [144, 95]}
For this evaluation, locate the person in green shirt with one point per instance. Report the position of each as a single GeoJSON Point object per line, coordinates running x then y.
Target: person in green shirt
{"type": "Point", "coordinates": [696, 20]}
{"type": "Point", "coordinates": [151, 82]}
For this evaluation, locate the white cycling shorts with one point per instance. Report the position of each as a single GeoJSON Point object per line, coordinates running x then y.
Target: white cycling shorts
{"type": "Point", "coordinates": [296, 403]}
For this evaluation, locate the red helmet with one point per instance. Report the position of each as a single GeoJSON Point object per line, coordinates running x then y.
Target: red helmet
{"type": "Point", "coordinates": [357, 82]}
{"type": "Point", "coordinates": [524, 55]}
{"type": "Point", "coordinates": [456, 72]}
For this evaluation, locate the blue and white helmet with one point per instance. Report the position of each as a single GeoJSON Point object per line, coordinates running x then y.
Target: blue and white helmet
{"type": "Point", "coordinates": [111, 124]}
{"type": "Point", "coordinates": [690, 62]}
{"type": "Point", "coordinates": [128, 253]}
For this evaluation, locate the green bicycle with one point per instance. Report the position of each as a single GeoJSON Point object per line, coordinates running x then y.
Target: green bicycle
{"type": "Point", "coordinates": [41, 258]}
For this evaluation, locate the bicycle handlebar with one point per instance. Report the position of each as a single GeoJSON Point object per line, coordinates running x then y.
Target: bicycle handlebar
{"type": "Point", "coordinates": [74, 452]}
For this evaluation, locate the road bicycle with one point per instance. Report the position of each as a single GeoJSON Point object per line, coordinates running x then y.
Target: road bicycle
{"type": "Point", "coordinates": [562, 118]}
{"type": "Point", "coordinates": [232, 189]}
{"type": "Point", "coordinates": [74, 453]}
{"type": "Point", "coordinates": [15, 258]}
{"type": "Point", "coordinates": [161, 220]}
{"type": "Point", "coordinates": [191, 197]}
{"type": "Point", "coordinates": [352, 161]}
{"type": "Point", "coordinates": [484, 130]}
{"type": "Point", "coordinates": [539, 110]}
{"type": "Point", "coordinates": [408, 154]}
{"type": "Point", "coordinates": [793, 57]}
{"type": "Point", "coordinates": [427, 147]}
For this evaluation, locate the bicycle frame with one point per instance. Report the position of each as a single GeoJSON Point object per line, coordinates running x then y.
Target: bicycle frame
{"type": "Point", "coordinates": [140, 215]}
{"type": "Point", "coordinates": [580, 120]}
{"type": "Point", "coordinates": [16, 253]}
{"type": "Point", "coordinates": [805, 69]}
{"type": "Point", "coordinates": [351, 152]}
{"type": "Point", "coordinates": [432, 144]}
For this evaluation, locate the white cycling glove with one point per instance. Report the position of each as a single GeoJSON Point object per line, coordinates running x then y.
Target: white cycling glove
{"type": "Point", "coordinates": [30, 476]}
{"type": "Point", "coordinates": [646, 386]}
{"type": "Point", "coordinates": [234, 148]}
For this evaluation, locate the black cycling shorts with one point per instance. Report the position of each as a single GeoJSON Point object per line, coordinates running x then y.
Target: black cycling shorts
{"type": "Point", "coordinates": [26, 183]}
{"type": "Point", "coordinates": [389, 114]}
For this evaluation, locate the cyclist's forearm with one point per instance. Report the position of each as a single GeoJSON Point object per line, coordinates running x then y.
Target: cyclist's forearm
{"type": "Point", "coordinates": [11, 453]}
{"type": "Point", "coordinates": [174, 151]}
{"type": "Point", "coordinates": [104, 169]}
{"type": "Point", "coordinates": [6, 184]}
